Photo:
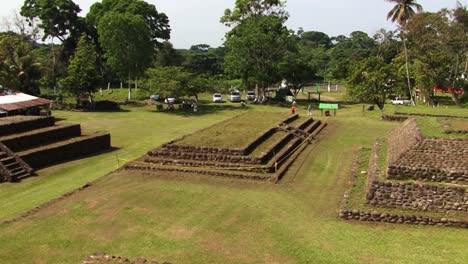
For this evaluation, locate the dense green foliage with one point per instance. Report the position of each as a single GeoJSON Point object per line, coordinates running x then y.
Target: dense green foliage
{"type": "Point", "coordinates": [372, 81]}
{"type": "Point", "coordinates": [83, 75]}
{"type": "Point", "coordinates": [447, 40]}
{"type": "Point", "coordinates": [174, 81]}
{"type": "Point", "coordinates": [19, 68]}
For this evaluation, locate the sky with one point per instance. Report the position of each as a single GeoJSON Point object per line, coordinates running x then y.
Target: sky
{"type": "Point", "coordinates": [197, 21]}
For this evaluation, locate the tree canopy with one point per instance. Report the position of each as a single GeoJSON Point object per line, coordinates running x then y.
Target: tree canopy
{"type": "Point", "coordinates": [258, 41]}
{"type": "Point", "coordinates": [19, 68]}
{"type": "Point", "coordinates": [372, 81]}
{"type": "Point", "coordinates": [58, 18]}
{"type": "Point", "coordinates": [157, 23]}
{"type": "Point", "coordinates": [83, 74]}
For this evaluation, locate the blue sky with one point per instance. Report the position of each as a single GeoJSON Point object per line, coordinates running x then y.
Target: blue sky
{"type": "Point", "coordinates": [197, 21]}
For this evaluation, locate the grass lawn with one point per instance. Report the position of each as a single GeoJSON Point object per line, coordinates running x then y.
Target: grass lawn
{"type": "Point", "coordinates": [424, 109]}
{"type": "Point", "coordinates": [133, 132]}
{"type": "Point", "coordinates": [235, 132]}
{"type": "Point", "coordinates": [205, 219]}
{"type": "Point", "coordinates": [431, 127]}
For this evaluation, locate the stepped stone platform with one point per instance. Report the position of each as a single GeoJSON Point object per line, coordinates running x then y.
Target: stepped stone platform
{"type": "Point", "coordinates": [438, 197]}
{"type": "Point", "coordinates": [412, 156]}
{"type": "Point", "coordinates": [266, 157]}
{"type": "Point", "coordinates": [28, 142]}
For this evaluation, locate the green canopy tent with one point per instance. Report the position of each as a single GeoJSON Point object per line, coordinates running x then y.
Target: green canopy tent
{"type": "Point", "coordinates": [327, 108]}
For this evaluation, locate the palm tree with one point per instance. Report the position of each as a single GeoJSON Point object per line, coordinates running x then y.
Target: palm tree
{"type": "Point", "coordinates": [401, 13]}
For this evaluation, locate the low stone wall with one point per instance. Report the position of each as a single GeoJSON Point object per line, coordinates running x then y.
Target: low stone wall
{"type": "Point", "coordinates": [275, 147]}
{"type": "Point", "coordinates": [67, 151]}
{"type": "Point", "coordinates": [394, 118]}
{"type": "Point", "coordinates": [198, 149]}
{"type": "Point", "coordinates": [99, 258]}
{"type": "Point", "coordinates": [259, 140]}
{"type": "Point", "coordinates": [202, 156]}
{"type": "Point", "coordinates": [305, 124]}
{"type": "Point", "coordinates": [421, 197]}
{"type": "Point", "coordinates": [193, 170]}
{"type": "Point", "coordinates": [212, 164]}
{"type": "Point", "coordinates": [375, 216]}
{"type": "Point", "coordinates": [290, 119]}
{"type": "Point", "coordinates": [402, 138]}
{"type": "Point", "coordinates": [26, 125]}
{"type": "Point", "coordinates": [432, 115]}
{"type": "Point", "coordinates": [18, 143]}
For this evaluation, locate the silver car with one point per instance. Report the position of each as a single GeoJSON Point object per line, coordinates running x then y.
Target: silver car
{"type": "Point", "coordinates": [235, 97]}
{"type": "Point", "coordinates": [217, 98]}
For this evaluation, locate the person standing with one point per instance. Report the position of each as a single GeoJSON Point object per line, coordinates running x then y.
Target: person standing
{"type": "Point", "coordinates": [309, 110]}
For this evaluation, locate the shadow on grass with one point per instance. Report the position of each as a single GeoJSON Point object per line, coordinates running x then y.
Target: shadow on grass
{"type": "Point", "coordinates": [205, 109]}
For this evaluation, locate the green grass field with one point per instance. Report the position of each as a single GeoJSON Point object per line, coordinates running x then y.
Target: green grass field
{"type": "Point", "coordinates": [235, 132]}
{"type": "Point", "coordinates": [198, 219]}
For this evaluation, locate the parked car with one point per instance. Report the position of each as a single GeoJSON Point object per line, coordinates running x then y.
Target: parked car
{"type": "Point", "coordinates": [217, 98]}
{"type": "Point", "coordinates": [401, 101]}
{"type": "Point", "coordinates": [171, 100]}
{"type": "Point", "coordinates": [250, 95]}
{"type": "Point", "coordinates": [235, 96]}
{"type": "Point", "coordinates": [154, 97]}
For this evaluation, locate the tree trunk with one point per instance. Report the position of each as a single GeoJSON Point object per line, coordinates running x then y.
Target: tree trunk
{"type": "Point", "coordinates": [53, 65]}
{"type": "Point", "coordinates": [129, 88]}
{"type": "Point", "coordinates": [407, 70]}
{"type": "Point", "coordinates": [452, 90]}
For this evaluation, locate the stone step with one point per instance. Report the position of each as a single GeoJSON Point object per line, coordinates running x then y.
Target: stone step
{"type": "Point", "coordinates": [7, 160]}
{"type": "Point", "coordinates": [196, 163]}
{"type": "Point", "coordinates": [19, 175]}
{"type": "Point", "coordinates": [42, 136]}
{"type": "Point", "coordinates": [72, 148]}
{"type": "Point", "coordinates": [203, 156]}
{"type": "Point", "coordinates": [13, 165]}
{"type": "Point", "coordinates": [203, 171]}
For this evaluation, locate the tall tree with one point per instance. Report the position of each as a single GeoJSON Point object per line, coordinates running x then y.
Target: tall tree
{"type": "Point", "coordinates": [439, 42]}
{"type": "Point", "coordinates": [140, 41]}
{"type": "Point", "coordinates": [371, 81]}
{"type": "Point", "coordinates": [401, 13]}
{"type": "Point", "coordinates": [59, 20]}
{"type": "Point", "coordinates": [83, 74]}
{"type": "Point", "coordinates": [158, 23]}
{"type": "Point", "coordinates": [19, 68]}
{"type": "Point", "coordinates": [257, 42]}
{"type": "Point", "coordinates": [126, 40]}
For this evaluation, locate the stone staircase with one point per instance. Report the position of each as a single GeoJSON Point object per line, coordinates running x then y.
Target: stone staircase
{"type": "Point", "coordinates": [12, 167]}
{"type": "Point", "coordinates": [36, 142]}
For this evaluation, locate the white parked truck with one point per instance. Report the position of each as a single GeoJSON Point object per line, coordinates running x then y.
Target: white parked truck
{"type": "Point", "coordinates": [401, 101]}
